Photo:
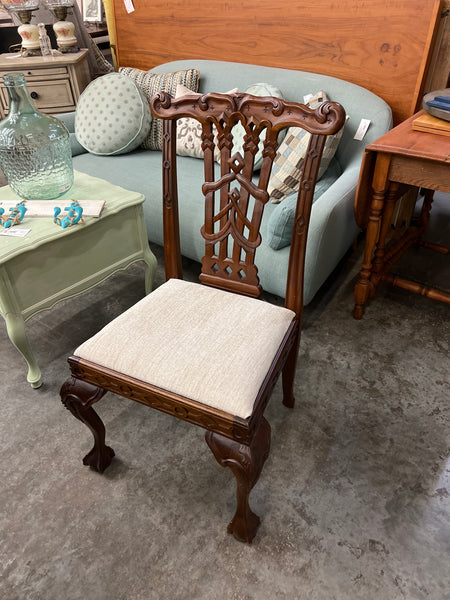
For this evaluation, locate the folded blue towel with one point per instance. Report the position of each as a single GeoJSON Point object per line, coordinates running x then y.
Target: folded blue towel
{"type": "Point", "coordinates": [445, 99]}
{"type": "Point", "coordinates": [439, 104]}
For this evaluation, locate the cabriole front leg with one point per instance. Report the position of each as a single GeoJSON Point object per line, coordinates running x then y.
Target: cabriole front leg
{"type": "Point", "coordinates": [79, 396]}
{"type": "Point", "coordinates": [150, 269]}
{"type": "Point", "coordinates": [15, 327]}
{"type": "Point", "coordinates": [246, 463]}
{"type": "Point", "coordinates": [149, 258]}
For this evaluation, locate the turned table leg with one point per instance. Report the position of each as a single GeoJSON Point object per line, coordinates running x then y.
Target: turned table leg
{"type": "Point", "coordinates": [364, 287]}
{"type": "Point", "coordinates": [425, 213]}
{"type": "Point", "coordinates": [378, 258]}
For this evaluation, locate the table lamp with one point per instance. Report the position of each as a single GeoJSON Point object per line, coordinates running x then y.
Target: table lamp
{"type": "Point", "coordinates": [28, 32]}
{"type": "Point", "coordinates": [64, 30]}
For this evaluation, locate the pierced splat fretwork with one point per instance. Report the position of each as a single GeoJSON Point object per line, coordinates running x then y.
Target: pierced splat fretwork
{"type": "Point", "coordinates": [235, 199]}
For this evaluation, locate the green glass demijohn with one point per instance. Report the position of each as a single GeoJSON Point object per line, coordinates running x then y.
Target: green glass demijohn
{"type": "Point", "coordinates": [35, 153]}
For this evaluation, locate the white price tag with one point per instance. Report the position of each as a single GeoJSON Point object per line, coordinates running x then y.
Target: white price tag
{"type": "Point", "coordinates": [129, 6]}
{"type": "Point", "coordinates": [14, 232]}
{"type": "Point", "coordinates": [362, 129]}
{"type": "Point", "coordinates": [307, 98]}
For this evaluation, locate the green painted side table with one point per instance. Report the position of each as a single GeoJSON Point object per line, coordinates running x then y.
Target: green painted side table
{"type": "Point", "coordinates": [51, 264]}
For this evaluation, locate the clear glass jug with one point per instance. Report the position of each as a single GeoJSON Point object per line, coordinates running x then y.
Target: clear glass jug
{"type": "Point", "coordinates": [35, 153]}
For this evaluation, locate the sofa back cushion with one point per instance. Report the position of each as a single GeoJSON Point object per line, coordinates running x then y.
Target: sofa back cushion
{"type": "Point", "coordinates": [359, 103]}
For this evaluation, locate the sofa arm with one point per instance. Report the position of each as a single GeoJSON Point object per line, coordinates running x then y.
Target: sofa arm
{"type": "Point", "coordinates": [69, 121]}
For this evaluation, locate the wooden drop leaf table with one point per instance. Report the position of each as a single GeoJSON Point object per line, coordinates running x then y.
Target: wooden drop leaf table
{"type": "Point", "coordinates": [396, 161]}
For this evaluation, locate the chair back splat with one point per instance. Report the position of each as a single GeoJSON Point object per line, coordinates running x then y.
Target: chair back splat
{"type": "Point", "coordinates": [235, 200]}
{"type": "Point", "coordinates": [211, 354]}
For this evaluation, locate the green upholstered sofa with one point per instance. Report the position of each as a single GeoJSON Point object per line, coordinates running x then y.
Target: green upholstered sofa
{"type": "Point", "coordinates": [332, 226]}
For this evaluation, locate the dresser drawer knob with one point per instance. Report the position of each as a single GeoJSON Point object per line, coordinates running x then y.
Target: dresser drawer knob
{"type": "Point", "coordinates": [34, 95]}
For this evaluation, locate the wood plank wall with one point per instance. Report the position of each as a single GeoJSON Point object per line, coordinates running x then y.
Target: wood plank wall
{"type": "Point", "coordinates": [382, 45]}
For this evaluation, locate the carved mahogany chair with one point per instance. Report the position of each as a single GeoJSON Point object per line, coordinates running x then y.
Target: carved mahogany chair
{"type": "Point", "coordinates": [211, 354]}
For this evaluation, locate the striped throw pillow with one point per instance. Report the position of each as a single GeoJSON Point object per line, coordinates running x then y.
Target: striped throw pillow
{"type": "Point", "coordinates": [150, 83]}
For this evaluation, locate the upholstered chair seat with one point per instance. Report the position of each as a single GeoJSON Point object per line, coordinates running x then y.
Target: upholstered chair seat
{"type": "Point", "coordinates": [173, 339]}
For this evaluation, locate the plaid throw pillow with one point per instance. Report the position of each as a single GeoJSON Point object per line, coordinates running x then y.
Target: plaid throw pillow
{"type": "Point", "coordinates": [288, 164]}
{"type": "Point", "coordinates": [150, 83]}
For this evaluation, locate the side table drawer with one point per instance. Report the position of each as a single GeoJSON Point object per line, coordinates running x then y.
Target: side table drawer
{"type": "Point", "coordinates": [73, 262]}
{"type": "Point", "coordinates": [54, 82]}
{"type": "Point", "coordinates": [35, 74]}
{"type": "Point", "coordinates": [47, 95]}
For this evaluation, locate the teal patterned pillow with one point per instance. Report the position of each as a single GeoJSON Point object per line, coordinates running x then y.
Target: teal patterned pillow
{"type": "Point", "coordinates": [112, 116]}
{"type": "Point", "coordinates": [288, 164]}
{"type": "Point", "coordinates": [150, 83]}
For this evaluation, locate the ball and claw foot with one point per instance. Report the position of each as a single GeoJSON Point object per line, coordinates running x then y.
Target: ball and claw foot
{"type": "Point", "coordinates": [244, 529]}
{"type": "Point", "coordinates": [99, 461]}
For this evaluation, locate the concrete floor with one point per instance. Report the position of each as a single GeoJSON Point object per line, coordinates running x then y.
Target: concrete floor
{"type": "Point", "coordinates": [354, 498]}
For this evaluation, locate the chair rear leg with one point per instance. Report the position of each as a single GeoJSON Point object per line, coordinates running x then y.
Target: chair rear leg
{"type": "Point", "coordinates": [288, 373]}
{"type": "Point", "coordinates": [79, 396]}
{"type": "Point", "coordinates": [246, 463]}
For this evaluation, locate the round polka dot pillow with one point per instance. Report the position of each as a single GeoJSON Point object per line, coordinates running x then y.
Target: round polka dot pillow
{"type": "Point", "coordinates": [112, 115]}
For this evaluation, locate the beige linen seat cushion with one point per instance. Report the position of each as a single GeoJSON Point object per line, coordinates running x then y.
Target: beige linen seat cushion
{"type": "Point", "coordinates": [211, 346]}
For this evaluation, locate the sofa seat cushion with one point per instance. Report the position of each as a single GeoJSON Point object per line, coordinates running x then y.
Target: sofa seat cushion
{"type": "Point", "coordinates": [178, 327]}
{"type": "Point", "coordinates": [150, 83]}
{"type": "Point", "coordinates": [112, 116]}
